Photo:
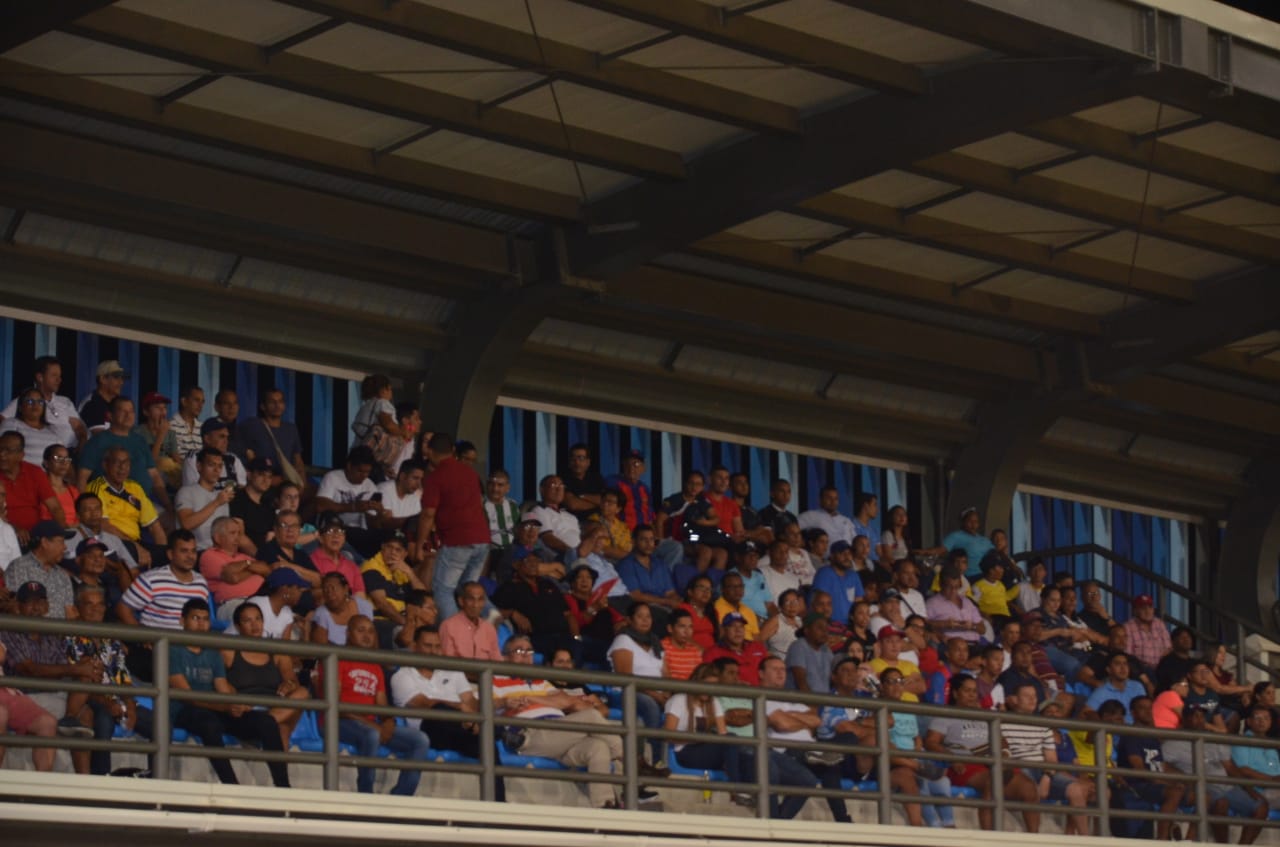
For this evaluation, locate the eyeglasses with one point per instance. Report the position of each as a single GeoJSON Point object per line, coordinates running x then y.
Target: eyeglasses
{"type": "Point", "coordinates": [11, 450]}
{"type": "Point", "coordinates": [61, 460]}
{"type": "Point", "coordinates": [291, 526]}
{"type": "Point", "coordinates": [520, 651]}
{"type": "Point", "coordinates": [335, 530]}
{"type": "Point", "coordinates": [32, 401]}
{"type": "Point", "coordinates": [896, 680]}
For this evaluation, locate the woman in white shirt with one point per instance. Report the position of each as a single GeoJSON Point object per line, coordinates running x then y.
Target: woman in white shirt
{"type": "Point", "coordinates": [893, 544]}
{"type": "Point", "coordinates": [637, 650]}
{"type": "Point", "coordinates": [791, 608]}
{"type": "Point", "coordinates": [702, 713]}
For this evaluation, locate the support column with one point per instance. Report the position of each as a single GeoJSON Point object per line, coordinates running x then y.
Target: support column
{"type": "Point", "coordinates": [1246, 571]}
{"type": "Point", "coordinates": [988, 469]}
{"type": "Point", "coordinates": [486, 336]}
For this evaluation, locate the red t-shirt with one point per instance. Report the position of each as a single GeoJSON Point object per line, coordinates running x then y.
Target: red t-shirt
{"type": "Point", "coordinates": [26, 495]}
{"type": "Point", "coordinates": [324, 564]}
{"type": "Point", "coordinates": [453, 490]}
{"type": "Point", "coordinates": [726, 510]}
{"type": "Point", "coordinates": [358, 684]}
{"type": "Point", "coordinates": [753, 653]}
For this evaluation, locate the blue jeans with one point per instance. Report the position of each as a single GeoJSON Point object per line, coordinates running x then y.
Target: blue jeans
{"type": "Point", "coordinates": [1064, 662]}
{"type": "Point", "coordinates": [405, 743]}
{"type": "Point", "coordinates": [651, 716]}
{"type": "Point", "coordinates": [454, 566]}
{"type": "Point", "coordinates": [937, 815]}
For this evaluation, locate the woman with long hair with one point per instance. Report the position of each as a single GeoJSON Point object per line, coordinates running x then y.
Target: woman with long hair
{"type": "Point", "coordinates": [263, 674]}
{"type": "Point", "coordinates": [60, 469]}
{"type": "Point", "coordinates": [32, 423]}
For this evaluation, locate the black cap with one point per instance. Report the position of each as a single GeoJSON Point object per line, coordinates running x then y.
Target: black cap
{"type": "Point", "coordinates": [262, 463]}
{"type": "Point", "coordinates": [213, 425]}
{"type": "Point", "coordinates": [33, 590]}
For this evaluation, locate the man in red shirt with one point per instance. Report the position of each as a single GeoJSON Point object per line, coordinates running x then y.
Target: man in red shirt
{"type": "Point", "coordinates": [27, 486]}
{"type": "Point", "coordinates": [453, 506]}
{"type": "Point", "coordinates": [727, 509]}
{"type": "Point", "coordinates": [734, 644]}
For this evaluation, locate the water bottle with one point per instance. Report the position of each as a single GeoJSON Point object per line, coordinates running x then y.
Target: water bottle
{"type": "Point", "coordinates": [706, 792]}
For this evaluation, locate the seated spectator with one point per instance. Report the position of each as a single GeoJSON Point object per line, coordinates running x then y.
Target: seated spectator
{"type": "Point", "coordinates": [284, 551]}
{"type": "Point", "coordinates": [840, 580]}
{"type": "Point", "coordinates": [339, 608]}
{"type": "Point", "coordinates": [906, 581]}
{"type": "Point", "coordinates": [637, 506]}
{"type": "Point", "coordinates": [535, 607]}
{"type": "Point", "coordinates": [732, 591]}
{"type": "Point", "coordinates": [1066, 645]}
{"type": "Point", "coordinates": [94, 570]}
{"type": "Point", "coordinates": [402, 497]}
{"type": "Point", "coordinates": [289, 499]}
{"type": "Point", "coordinates": [809, 660]}
{"type": "Point", "coordinates": [689, 518]}
{"type": "Point", "coordinates": [363, 684]}
{"type": "Point", "coordinates": [861, 629]}
{"type": "Point", "coordinates": [561, 533]}
{"type": "Point", "coordinates": [263, 674]}
{"type": "Point", "coordinates": [583, 486]}
{"type": "Point", "coordinates": [43, 565]}
{"type": "Point", "coordinates": [90, 524]}
{"type": "Point", "coordinates": [26, 487]}
{"type": "Point", "coordinates": [270, 436]}
{"type": "Point", "coordinates": [284, 590]}
{"type": "Point", "coordinates": [891, 642]}
{"type": "Point", "coordinates": [198, 670]}
{"type": "Point", "coordinates": [331, 557]}
{"type": "Point", "coordinates": [1201, 695]}
{"type": "Point", "coordinates": [1235, 698]}
{"type": "Point", "coordinates": [1217, 763]}
{"type": "Point", "coordinates": [990, 592]}
{"type": "Point", "coordinates": [1259, 763]}
{"type": "Point", "coordinates": [60, 413]}
{"type": "Point", "coordinates": [438, 691]}
{"type": "Point", "coordinates": [1143, 753]}
{"type": "Point", "coordinates": [914, 776]}
{"type": "Point", "coordinates": [502, 564]}
{"type": "Point", "coordinates": [254, 505]}
{"type": "Point", "coordinates": [637, 651]}
{"type": "Point", "coordinates": [388, 578]}
{"type": "Point", "coordinates": [791, 613]}
{"type": "Point", "coordinates": [1264, 694]}
{"type": "Point", "coordinates": [502, 512]}
{"type": "Point", "coordinates": [820, 603]}
{"type": "Point", "coordinates": [953, 615]}
{"type": "Point", "coordinates": [827, 517]}
{"type": "Point", "coordinates": [698, 602]}
{"type": "Point", "coordinates": [862, 563]}
{"type": "Point", "coordinates": [234, 576]}
{"type": "Point", "coordinates": [571, 741]}
{"type": "Point", "coordinates": [156, 598]}
{"type": "Point", "coordinates": [420, 610]}
{"type": "Point", "coordinates": [1179, 661]}
{"type": "Point", "coordinates": [777, 576]}
{"type": "Point", "coordinates": [590, 552]}
{"type": "Point", "coordinates": [798, 562]}
{"type": "Point", "coordinates": [125, 505]}
{"type": "Point", "coordinates": [735, 645]}
{"type": "Point", "coordinates": [621, 538]}
{"type": "Point", "coordinates": [754, 528]}
{"type": "Point", "coordinates": [991, 694]}
{"type": "Point", "coordinates": [681, 653]}
{"type": "Point", "coordinates": [968, 737]}
{"type": "Point", "coordinates": [94, 410]}
{"type": "Point", "coordinates": [1095, 614]}
{"type": "Point", "coordinates": [21, 715]}
{"type": "Point", "coordinates": [1033, 631]}
{"type": "Point", "coordinates": [1117, 686]}
{"type": "Point", "coordinates": [349, 495]}
{"type": "Point", "coordinates": [466, 634]}
{"type": "Point", "coordinates": [818, 546]}
{"type": "Point", "coordinates": [703, 713]}
{"type": "Point", "coordinates": [1095, 667]}
{"type": "Point", "coordinates": [206, 499]}
{"type": "Point", "coordinates": [790, 766]}
{"type": "Point", "coordinates": [593, 621]}
{"type": "Point", "coordinates": [185, 425]}
{"type": "Point", "coordinates": [226, 406]}
{"type": "Point", "coordinates": [646, 579]}
{"type": "Point", "coordinates": [850, 724]}
{"type": "Point", "coordinates": [970, 539]}
{"type": "Point", "coordinates": [889, 611]}
{"type": "Point", "coordinates": [57, 466]}
{"type": "Point", "coordinates": [44, 656]}
{"type": "Point", "coordinates": [119, 435]}
{"type": "Point", "coordinates": [155, 429]}
{"type": "Point", "coordinates": [33, 425]}
{"type": "Point", "coordinates": [10, 547]}
{"type": "Point", "coordinates": [756, 595]}
{"type": "Point", "coordinates": [1036, 744]}
{"type": "Point", "coordinates": [1083, 633]}
{"type": "Point", "coordinates": [1148, 636]}
{"type": "Point", "coordinates": [1166, 709]}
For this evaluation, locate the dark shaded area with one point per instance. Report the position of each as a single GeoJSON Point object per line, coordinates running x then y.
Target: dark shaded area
{"type": "Point", "coordinates": [1268, 9]}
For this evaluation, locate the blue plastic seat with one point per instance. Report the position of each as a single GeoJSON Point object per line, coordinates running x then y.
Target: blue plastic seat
{"type": "Point", "coordinates": [678, 769]}
{"type": "Point", "coordinates": [864, 785]}
{"type": "Point", "coordinates": [514, 760]}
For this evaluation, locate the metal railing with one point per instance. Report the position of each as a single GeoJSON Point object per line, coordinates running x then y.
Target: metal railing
{"type": "Point", "coordinates": [1208, 620]}
{"type": "Point", "coordinates": [488, 770]}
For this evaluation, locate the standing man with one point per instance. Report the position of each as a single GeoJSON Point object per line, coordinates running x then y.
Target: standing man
{"type": "Point", "coordinates": [638, 508]}
{"type": "Point", "coordinates": [452, 506]}
{"type": "Point", "coordinates": [827, 517]}
{"type": "Point", "coordinates": [271, 436]}
{"type": "Point", "coordinates": [582, 485]}
{"type": "Point", "coordinates": [778, 515]}
{"type": "Point", "coordinates": [59, 411]}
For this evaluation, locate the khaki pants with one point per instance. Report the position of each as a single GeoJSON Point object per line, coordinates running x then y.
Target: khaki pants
{"type": "Point", "coordinates": [596, 753]}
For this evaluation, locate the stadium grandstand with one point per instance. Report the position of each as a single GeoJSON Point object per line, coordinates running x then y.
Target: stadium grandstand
{"type": "Point", "coordinates": [639, 421]}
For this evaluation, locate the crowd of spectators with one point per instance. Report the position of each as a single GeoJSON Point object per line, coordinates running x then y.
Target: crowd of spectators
{"type": "Point", "coordinates": [192, 522]}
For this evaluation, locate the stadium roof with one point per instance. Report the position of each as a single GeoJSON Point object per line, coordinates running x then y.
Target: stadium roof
{"type": "Point", "coordinates": [857, 225]}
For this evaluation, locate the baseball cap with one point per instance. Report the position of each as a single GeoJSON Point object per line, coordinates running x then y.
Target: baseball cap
{"type": "Point", "coordinates": [839, 547]}
{"type": "Point", "coordinates": [212, 425]}
{"type": "Point", "coordinates": [396, 536]}
{"type": "Point", "coordinates": [733, 617]}
{"type": "Point", "coordinates": [33, 590]}
{"type": "Point", "coordinates": [633, 454]}
{"type": "Point", "coordinates": [282, 577]}
{"type": "Point", "coordinates": [889, 630]}
{"type": "Point", "coordinates": [527, 520]}
{"type": "Point", "coordinates": [1143, 600]}
{"type": "Point", "coordinates": [111, 366]}
{"type": "Point", "coordinates": [329, 520]}
{"type": "Point", "coordinates": [91, 543]}
{"type": "Point", "coordinates": [890, 594]}
{"type": "Point", "coordinates": [262, 463]}
{"type": "Point", "coordinates": [748, 547]}
{"type": "Point", "coordinates": [45, 529]}
{"type": "Point", "coordinates": [151, 398]}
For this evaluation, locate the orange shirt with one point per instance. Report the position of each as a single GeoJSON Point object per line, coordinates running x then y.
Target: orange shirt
{"type": "Point", "coordinates": [681, 660]}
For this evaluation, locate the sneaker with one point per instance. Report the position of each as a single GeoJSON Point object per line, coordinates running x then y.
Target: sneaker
{"type": "Point", "coordinates": [743, 799]}
{"type": "Point", "coordinates": [646, 795]}
{"type": "Point", "coordinates": [69, 727]}
{"type": "Point", "coordinates": [823, 757]}
{"type": "Point", "coordinates": [134, 773]}
{"type": "Point", "coordinates": [647, 769]}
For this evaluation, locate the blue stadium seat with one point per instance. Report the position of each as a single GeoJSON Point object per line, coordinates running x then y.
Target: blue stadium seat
{"type": "Point", "coordinates": [514, 760]}
{"type": "Point", "coordinates": [865, 785]}
{"type": "Point", "coordinates": [678, 769]}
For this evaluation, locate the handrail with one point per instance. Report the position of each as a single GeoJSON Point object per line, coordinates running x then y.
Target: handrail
{"type": "Point", "coordinates": [488, 770]}
{"type": "Point", "coordinates": [1243, 626]}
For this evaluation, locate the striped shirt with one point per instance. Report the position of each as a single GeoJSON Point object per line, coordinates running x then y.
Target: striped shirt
{"type": "Point", "coordinates": [157, 597]}
{"type": "Point", "coordinates": [505, 687]}
{"type": "Point", "coordinates": [1027, 743]}
{"type": "Point", "coordinates": [681, 660]}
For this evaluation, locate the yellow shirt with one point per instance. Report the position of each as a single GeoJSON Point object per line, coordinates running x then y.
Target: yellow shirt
{"type": "Point", "coordinates": [904, 667]}
{"type": "Point", "coordinates": [752, 622]}
{"type": "Point", "coordinates": [128, 508]}
{"type": "Point", "coordinates": [378, 566]}
{"type": "Point", "coordinates": [992, 597]}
